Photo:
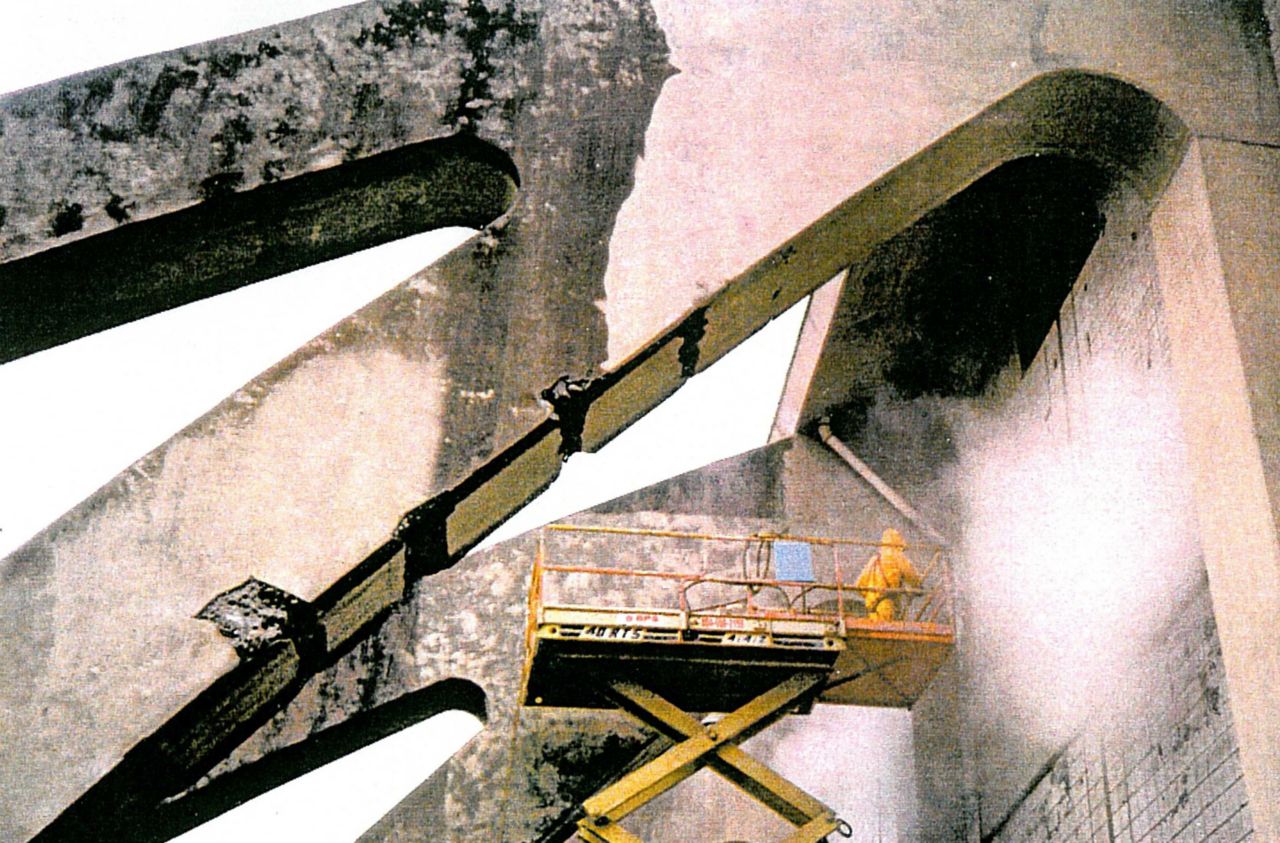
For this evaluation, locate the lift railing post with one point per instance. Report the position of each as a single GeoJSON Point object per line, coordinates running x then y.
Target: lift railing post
{"type": "Point", "coordinates": [835, 560]}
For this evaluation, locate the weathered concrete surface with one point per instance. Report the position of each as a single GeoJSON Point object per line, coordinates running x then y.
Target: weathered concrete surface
{"type": "Point", "coordinates": [1209, 62]}
{"type": "Point", "coordinates": [818, 112]}
{"type": "Point", "coordinates": [233, 239]}
{"type": "Point", "coordinates": [153, 135]}
{"type": "Point", "coordinates": [116, 151]}
{"type": "Point", "coordinates": [306, 470]}
{"type": "Point", "coordinates": [1217, 277]}
{"type": "Point", "coordinates": [1084, 452]}
{"type": "Point", "coordinates": [1163, 766]}
{"type": "Point", "coordinates": [939, 309]}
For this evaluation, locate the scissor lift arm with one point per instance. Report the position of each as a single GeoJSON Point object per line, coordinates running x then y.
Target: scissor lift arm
{"type": "Point", "coordinates": [715, 746]}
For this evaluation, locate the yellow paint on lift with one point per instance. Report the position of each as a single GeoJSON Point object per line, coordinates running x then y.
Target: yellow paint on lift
{"type": "Point", "coordinates": [662, 655]}
{"type": "Point", "coordinates": [713, 659]}
{"type": "Point", "coordinates": [714, 746]}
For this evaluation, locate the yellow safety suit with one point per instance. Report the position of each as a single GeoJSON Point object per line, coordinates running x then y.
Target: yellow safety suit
{"type": "Point", "coordinates": [888, 569]}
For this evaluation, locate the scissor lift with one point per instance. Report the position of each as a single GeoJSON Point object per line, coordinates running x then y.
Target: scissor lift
{"type": "Point", "coordinates": [660, 643]}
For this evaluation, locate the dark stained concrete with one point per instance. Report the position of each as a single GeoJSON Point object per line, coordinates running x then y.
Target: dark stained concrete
{"type": "Point", "coordinates": [317, 459]}
{"type": "Point", "coordinates": [230, 239]}
{"type": "Point", "coordinates": [940, 309]}
{"type": "Point", "coordinates": [362, 424]}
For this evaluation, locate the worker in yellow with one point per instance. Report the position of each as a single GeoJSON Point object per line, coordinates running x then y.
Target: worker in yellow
{"type": "Point", "coordinates": [886, 570]}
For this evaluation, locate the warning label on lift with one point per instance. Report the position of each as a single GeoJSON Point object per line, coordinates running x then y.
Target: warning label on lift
{"type": "Point", "coordinates": [641, 617]}
{"type": "Point", "coordinates": [727, 622]}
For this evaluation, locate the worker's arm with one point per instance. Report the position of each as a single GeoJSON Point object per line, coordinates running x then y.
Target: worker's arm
{"type": "Point", "coordinates": [910, 576]}
{"type": "Point", "coordinates": [866, 579]}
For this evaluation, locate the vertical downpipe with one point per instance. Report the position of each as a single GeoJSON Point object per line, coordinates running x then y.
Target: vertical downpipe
{"type": "Point", "coordinates": [835, 558]}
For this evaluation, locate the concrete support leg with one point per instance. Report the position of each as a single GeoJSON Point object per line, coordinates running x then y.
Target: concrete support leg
{"type": "Point", "coordinates": [1217, 232]}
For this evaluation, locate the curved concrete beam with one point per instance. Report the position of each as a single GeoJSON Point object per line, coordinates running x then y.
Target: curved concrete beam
{"type": "Point", "coordinates": [1101, 119]}
{"type": "Point", "coordinates": [1137, 140]}
{"type": "Point", "coordinates": [236, 238]}
{"type": "Point", "coordinates": [195, 510]}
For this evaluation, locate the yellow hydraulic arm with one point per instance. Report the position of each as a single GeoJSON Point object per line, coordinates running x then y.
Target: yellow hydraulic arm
{"type": "Point", "coordinates": [715, 746]}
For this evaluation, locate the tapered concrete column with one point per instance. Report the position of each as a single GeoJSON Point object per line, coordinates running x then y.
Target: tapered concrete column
{"type": "Point", "coordinates": [1217, 232]}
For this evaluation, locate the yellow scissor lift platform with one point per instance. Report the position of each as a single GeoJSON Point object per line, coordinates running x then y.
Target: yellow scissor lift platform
{"type": "Point", "coordinates": [756, 626]}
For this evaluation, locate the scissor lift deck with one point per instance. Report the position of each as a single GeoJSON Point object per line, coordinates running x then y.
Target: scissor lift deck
{"type": "Point", "coordinates": [887, 664]}
{"type": "Point", "coordinates": [699, 664]}
{"type": "Point", "coordinates": [754, 661]}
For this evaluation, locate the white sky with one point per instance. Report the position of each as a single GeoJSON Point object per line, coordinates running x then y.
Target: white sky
{"type": "Point", "coordinates": [78, 414]}
{"type": "Point", "coordinates": [49, 39]}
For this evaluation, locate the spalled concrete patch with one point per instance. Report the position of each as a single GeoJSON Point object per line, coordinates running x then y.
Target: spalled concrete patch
{"type": "Point", "coordinates": [254, 614]}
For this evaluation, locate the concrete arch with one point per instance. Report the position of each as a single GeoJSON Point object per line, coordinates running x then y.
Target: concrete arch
{"type": "Point", "coordinates": [1063, 115]}
{"type": "Point", "coordinates": [938, 308]}
{"type": "Point", "coordinates": [1115, 126]}
{"type": "Point", "coordinates": [1111, 124]}
{"type": "Point", "coordinates": [366, 727]}
{"type": "Point", "coordinates": [1139, 145]}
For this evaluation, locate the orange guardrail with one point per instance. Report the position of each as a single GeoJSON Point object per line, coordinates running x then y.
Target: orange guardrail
{"type": "Point", "coordinates": [708, 574]}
